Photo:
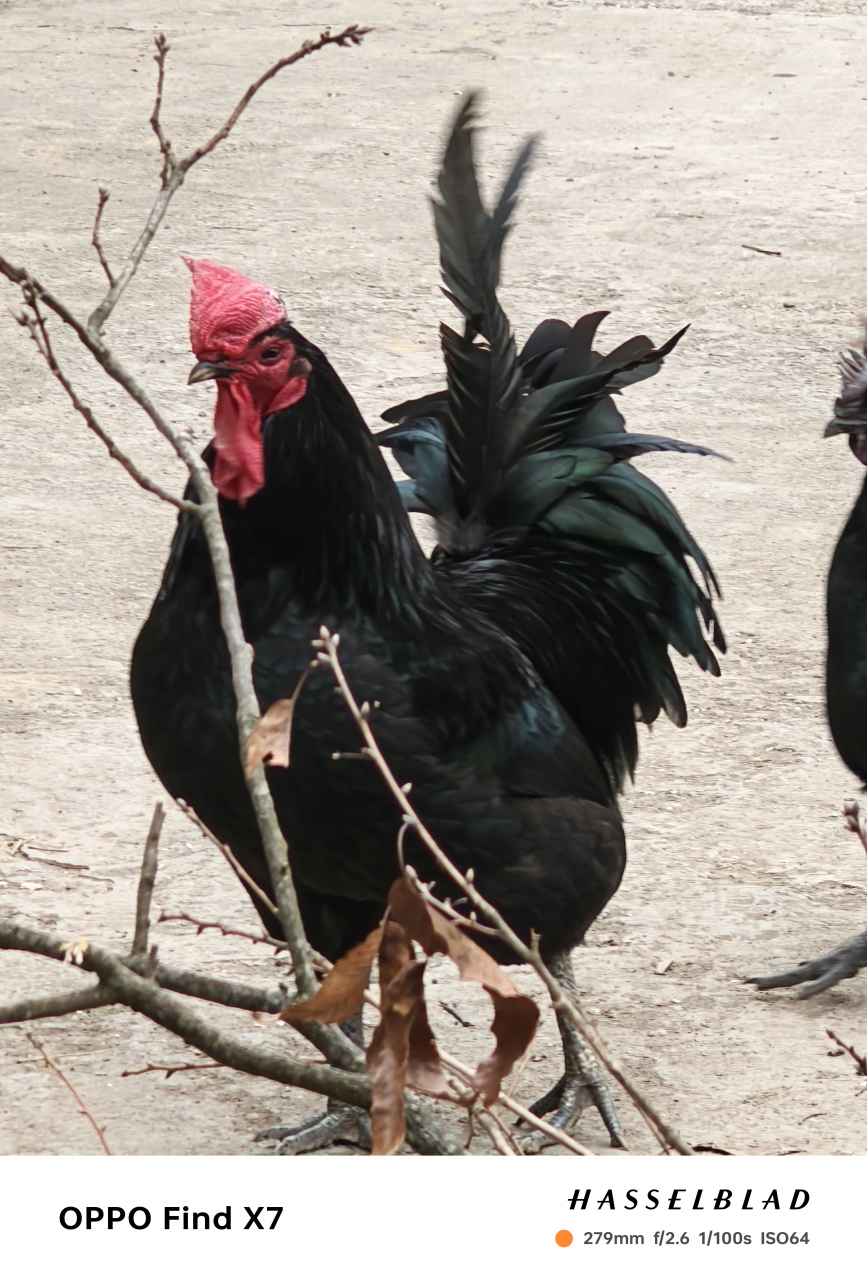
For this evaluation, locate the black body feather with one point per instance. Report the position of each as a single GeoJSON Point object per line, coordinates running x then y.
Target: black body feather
{"type": "Point", "coordinates": [846, 601]}
{"type": "Point", "coordinates": [846, 668]}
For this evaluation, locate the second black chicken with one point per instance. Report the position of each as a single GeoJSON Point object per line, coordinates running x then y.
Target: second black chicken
{"type": "Point", "coordinates": [846, 664]}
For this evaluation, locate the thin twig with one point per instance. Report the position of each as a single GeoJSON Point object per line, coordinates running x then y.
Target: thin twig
{"type": "Point", "coordinates": [454, 1013]}
{"type": "Point", "coordinates": [519, 1073]}
{"type": "Point", "coordinates": [855, 822]}
{"type": "Point", "coordinates": [36, 327]}
{"type": "Point", "coordinates": [83, 1107]}
{"type": "Point", "coordinates": [95, 239]}
{"type": "Point", "coordinates": [522, 1112]}
{"type": "Point", "coordinates": [352, 35]}
{"type": "Point", "coordinates": [227, 932]}
{"type": "Point", "coordinates": [174, 171]}
{"type": "Point", "coordinates": [665, 1134]}
{"type": "Point", "coordinates": [162, 52]}
{"type": "Point", "coordinates": [770, 253]}
{"type": "Point", "coordinates": [496, 1133]}
{"type": "Point", "coordinates": [240, 872]}
{"type": "Point", "coordinates": [507, 1133]}
{"type": "Point", "coordinates": [146, 882]}
{"type": "Point", "coordinates": [860, 1059]}
{"type": "Point", "coordinates": [173, 1070]}
{"type": "Point", "coordinates": [319, 962]}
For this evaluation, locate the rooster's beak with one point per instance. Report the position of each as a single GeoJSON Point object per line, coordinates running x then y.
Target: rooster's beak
{"type": "Point", "coordinates": [204, 370]}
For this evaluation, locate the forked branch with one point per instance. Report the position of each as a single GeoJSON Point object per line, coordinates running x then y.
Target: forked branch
{"type": "Point", "coordinates": [206, 508]}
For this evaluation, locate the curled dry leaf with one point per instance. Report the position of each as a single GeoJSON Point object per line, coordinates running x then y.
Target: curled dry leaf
{"type": "Point", "coordinates": [401, 983]}
{"type": "Point", "coordinates": [403, 1049]}
{"type": "Point", "coordinates": [342, 990]}
{"type": "Point", "coordinates": [74, 952]}
{"type": "Point", "coordinates": [515, 1016]}
{"type": "Point", "coordinates": [269, 741]}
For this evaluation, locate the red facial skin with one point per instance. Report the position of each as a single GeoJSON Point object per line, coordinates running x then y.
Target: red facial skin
{"type": "Point", "coordinates": [260, 383]}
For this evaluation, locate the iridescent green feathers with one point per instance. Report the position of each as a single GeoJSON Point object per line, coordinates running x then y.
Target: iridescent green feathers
{"type": "Point", "coordinates": [524, 462]}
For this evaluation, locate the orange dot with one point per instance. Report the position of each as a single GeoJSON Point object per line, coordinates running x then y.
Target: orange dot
{"type": "Point", "coordinates": [564, 1239]}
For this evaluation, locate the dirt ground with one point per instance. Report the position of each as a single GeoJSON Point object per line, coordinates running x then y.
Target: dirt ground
{"type": "Point", "coordinates": [673, 136]}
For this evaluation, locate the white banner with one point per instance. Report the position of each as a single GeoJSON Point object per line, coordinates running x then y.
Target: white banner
{"type": "Point", "coordinates": [336, 1217]}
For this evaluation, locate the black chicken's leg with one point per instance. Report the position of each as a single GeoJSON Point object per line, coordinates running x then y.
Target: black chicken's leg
{"type": "Point", "coordinates": [341, 1123]}
{"type": "Point", "coordinates": [844, 962]}
{"type": "Point", "coordinates": [581, 1082]}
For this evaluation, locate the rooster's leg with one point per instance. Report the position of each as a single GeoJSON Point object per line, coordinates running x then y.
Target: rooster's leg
{"type": "Point", "coordinates": [341, 1123]}
{"type": "Point", "coordinates": [581, 1082]}
{"type": "Point", "coordinates": [844, 962]}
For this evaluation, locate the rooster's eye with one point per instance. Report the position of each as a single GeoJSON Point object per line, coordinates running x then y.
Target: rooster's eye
{"type": "Point", "coordinates": [270, 355]}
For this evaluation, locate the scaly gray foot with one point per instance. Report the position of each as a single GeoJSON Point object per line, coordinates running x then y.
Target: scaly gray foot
{"type": "Point", "coordinates": [844, 962]}
{"type": "Point", "coordinates": [339, 1124]}
{"type": "Point", "coordinates": [582, 1082]}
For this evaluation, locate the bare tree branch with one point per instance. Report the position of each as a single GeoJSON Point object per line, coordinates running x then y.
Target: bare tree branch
{"type": "Point", "coordinates": [240, 871]}
{"type": "Point", "coordinates": [273, 1002]}
{"type": "Point", "coordinates": [146, 882]}
{"type": "Point", "coordinates": [207, 509]}
{"type": "Point", "coordinates": [34, 323]}
{"type": "Point", "coordinates": [82, 1105]}
{"type": "Point", "coordinates": [119, 979]}
{"type": "Point", "coordinates": [104, 197]}
{"type": "Point", "coordinates": [55, 1006]}
{"type": "Point", "coordinates": [174, 171]}
{"type": "Point", "coordinates": [171, 1070]}
{"type": "Point", "coordinates": [234, 995]}
{"type": "Point", "coordinates": [227, 931]}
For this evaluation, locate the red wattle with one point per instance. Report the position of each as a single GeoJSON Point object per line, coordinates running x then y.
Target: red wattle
{"type": "Point", "coordinates": [239, 469]}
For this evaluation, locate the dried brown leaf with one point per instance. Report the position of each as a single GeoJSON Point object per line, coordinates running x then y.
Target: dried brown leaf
{"type": "Point", "coordinates": [424, 1070]}
{"type": "Point", "coordinates": [342, 990]}
{"type": "Point", "coordinates": [269, 741]}
{"type": "Point", "coordinates": [515, 1016]}
{"type": "Point", "coordinates": [401, 981]}
{"type": "Point", "coordinates": [515, 1020]}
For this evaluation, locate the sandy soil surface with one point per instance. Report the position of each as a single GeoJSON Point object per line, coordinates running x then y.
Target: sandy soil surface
{"type": "Point", "coordinates": [674, 134]}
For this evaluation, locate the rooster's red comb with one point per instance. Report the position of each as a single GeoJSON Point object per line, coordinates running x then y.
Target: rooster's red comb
{"type": "Point", "coordinates": [227, 310]}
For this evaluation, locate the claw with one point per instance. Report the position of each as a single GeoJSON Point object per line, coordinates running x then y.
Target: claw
{"type": "Point", "coordinates": [844, 962]}
{"type": "Point", "coordinates": [571, 1095]}
{"type": "Point", "coordinates": [339, 1124]}
{"type": "Point", "coordinates": [581, 1083]}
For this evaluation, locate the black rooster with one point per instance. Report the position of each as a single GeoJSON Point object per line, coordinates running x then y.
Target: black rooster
{"type": "Point", "coordinates": [506, 673]}
{"type": "Point", "coordinates": [846, 665]}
